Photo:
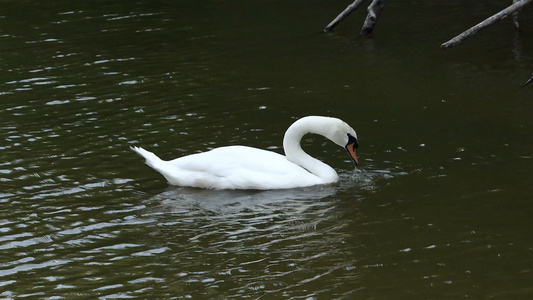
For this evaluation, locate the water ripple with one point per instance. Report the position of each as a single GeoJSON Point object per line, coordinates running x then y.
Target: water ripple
{"type": "Point", "coordinates": [83, 217]}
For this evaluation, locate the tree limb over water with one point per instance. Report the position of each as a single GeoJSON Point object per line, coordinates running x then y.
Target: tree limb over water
{"type": "Point", "coordinates": [345, 13]}
{"type": "Point", "coordinates": [374, 10]}
{"type": "Point", "coordinates": [511, 10]}
{"type": "Point", "coordinates": [376, 7]}
{"type": "Point", "coordinates": [529, 80]}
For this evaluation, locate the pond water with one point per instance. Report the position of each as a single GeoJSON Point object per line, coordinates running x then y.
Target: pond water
{"type": "Point", "coordinates": [439, 208]}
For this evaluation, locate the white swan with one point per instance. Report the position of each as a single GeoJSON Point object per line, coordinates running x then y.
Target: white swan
{"type": "Point", "coordinates": [241, 167]}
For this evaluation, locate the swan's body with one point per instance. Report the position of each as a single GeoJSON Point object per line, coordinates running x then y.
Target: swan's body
{"type": "Point", "coordinates": [241, 167]}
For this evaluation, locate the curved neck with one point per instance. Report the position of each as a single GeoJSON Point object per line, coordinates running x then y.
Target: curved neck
{"type": "Point", "coordinates": [294, 152]}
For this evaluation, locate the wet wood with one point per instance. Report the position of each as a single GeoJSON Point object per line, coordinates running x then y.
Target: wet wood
{"type": "Point", "coordinates": [374, 11]}
{"type": "Point", "coordinates": [345, 13]}
{"type": "Point", "coordinates": [529, 80]}
{"type": "Point", "coordinates": [515, 7]}
{"type": "Point", "coordinates": [515, 17]}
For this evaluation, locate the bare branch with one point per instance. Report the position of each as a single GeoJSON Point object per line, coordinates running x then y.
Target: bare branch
{"type": "Point", "coordinates": [374, 11]}
{"type": "Point", "coordinates": [515, 17]}
{"type": "Point", "coordinates": [502, 14]}
{"type": "Point", "coordinates": [345, 13]}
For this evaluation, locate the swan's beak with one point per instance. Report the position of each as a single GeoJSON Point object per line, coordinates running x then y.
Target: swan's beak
{"type": "Point", "coordinates": [351, 151]}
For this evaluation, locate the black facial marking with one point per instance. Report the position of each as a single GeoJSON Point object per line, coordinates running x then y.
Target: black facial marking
{"type": "Point", "coordinates": [352, 140]}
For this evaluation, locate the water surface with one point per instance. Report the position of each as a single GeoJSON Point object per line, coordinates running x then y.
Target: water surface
{"type": "Point", "coordinates": [440, 207]}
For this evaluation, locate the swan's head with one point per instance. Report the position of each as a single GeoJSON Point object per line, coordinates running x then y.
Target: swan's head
{"type": "Point", "coordinates": [334, 129]}
{"type": "Point", "coordinates": [351, 145]}
{"type": "Point", "coordinates": [344, 136]}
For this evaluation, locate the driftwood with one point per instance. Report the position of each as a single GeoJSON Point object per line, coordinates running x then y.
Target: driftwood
{"type": "Point", "coordinates": [345, 13]}
{"type": "Point", "coordinates": [511, 10]}
{"type": "Point", "coordinates": [529, 80]}
{"type": "Point", "coordinates": [376, 7]}
{"type": "Point", "coordinates": [374, 10]}
{"type": "Point", "coordinates": [515, 17]}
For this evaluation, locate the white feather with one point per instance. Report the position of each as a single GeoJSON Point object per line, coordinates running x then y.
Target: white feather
{"type": "Point", "coordinates": [242, 167]}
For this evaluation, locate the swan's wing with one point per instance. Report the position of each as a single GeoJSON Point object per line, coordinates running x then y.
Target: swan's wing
{"type": "Point", "coordinates": [229, 158]}
{"type": "Point", "coordinates": [243, 167]}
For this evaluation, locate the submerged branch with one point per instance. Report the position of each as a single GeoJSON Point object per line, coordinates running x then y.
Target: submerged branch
{"type": "Point", "coordinates": [489, 21]}
{"type": "Point", "coordinates": [515, 17]}
{"type": "Point", "coordinates": [345, 13]}
{"type": "Point", "coordinates": [374, 11]}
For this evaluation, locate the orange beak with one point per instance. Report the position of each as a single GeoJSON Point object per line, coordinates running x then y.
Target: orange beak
{"type": "Point", "coordinates": [351, 151]}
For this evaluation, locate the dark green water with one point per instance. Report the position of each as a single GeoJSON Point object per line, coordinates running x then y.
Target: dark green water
{"type": "Point", "coordinates": [440, 208]}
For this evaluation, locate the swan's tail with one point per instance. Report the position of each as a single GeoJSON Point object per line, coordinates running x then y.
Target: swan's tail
{"type": "Point", "coordinates": [151, 159]}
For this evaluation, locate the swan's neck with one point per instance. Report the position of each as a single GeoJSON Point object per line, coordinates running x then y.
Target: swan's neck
{"type": "Point", "coordinates": [294, 152]}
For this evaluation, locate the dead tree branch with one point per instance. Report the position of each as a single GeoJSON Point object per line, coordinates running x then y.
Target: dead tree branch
{"type": "Point", "coordinates": [497, 17]}
{"type": "Point", "coordinates": [374, 11]}
{"type": "Point", "coordinates": [345, 13]}
{"type": "Point", "coordinates": [515, 17]}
